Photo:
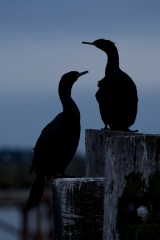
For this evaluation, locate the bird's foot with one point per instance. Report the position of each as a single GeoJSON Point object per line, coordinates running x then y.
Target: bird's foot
{"type": "Point", "coordinates": [133, 130]}
{"type": "Point", "coordinates": [106, 128]}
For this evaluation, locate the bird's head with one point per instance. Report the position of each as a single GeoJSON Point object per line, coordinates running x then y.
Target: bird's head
{"type": "Point", "coordinates": [71, 77]}
{"type": "Point", "coordinates": [68, 79]}
{"type": "Point", "coordinates": [103, 44]}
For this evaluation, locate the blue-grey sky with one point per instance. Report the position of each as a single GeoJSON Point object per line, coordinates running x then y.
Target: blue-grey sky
{"type": "Point", "coordinates": [41, 40]}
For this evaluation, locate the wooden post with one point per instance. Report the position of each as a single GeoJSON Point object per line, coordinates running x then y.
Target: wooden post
{"type": "Point", "coordinates": [78, 208]}
{"type": "Point", "coordinates": [95, 150]}
{"type": "Point", "coordinates": [121, 201]}
{"type": "Point", "coordinates": [132, 188]}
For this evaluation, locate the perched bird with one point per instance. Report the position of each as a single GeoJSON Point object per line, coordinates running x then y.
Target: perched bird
{"type": "Point", "coordinates": [117, 93]}
{"type": "Point", "coordinates": [58, 141]}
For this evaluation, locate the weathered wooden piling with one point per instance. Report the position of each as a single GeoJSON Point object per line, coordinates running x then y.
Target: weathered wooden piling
{"type": "Point", "coordinates": [119, 199]}
{"type": "Point", "coordinates": [78, 208]}
{"type": "Point", "coordinates": [95, 150]}
{"type": "Point", "coordinates": [132, 188]}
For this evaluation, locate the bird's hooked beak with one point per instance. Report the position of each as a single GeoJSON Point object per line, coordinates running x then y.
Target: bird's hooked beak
{"type": "Point", "coordinates": [90, 43]}
{"type": "Point", "coordinates": [81, 73]}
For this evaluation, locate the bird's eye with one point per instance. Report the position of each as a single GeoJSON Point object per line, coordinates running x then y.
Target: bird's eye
{"type": "Point", "coordinates": [74, 73]}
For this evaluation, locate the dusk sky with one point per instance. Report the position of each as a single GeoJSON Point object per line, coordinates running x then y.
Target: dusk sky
{"type": "Point", "coordinates": [42, 40]}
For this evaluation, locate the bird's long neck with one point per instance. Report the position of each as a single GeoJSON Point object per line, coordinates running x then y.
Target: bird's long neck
{"type": "Point", "coordinates": [69, 106]}
{"type": "Point", "coordinates": [113, 59]}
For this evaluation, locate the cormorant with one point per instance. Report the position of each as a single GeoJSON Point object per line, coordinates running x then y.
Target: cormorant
{"type": "Point", "coordinates": [58, 141]}
{"type": "Point", "coordinates": [117, 93]}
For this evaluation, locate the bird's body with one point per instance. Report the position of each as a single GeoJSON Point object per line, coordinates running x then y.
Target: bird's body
{"type": "Point", "coordinates": [58, 141]}
{"type": "Point", "coordinates": [117, 93]}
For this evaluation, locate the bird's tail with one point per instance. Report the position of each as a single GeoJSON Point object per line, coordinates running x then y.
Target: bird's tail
{"type": "Point", "coordinates": [36, 192]}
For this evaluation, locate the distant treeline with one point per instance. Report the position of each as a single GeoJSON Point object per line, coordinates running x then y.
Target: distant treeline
{"type": "Point", "coordinates": [15, 165]}
{"type": "Point", "coordinates": [19, 155]}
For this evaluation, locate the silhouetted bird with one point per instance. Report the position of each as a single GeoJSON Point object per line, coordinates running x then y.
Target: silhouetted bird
{"type": "Point", "coordinates": [117, 94]}
{"type": "Point", "coordinates": [58, 141]}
